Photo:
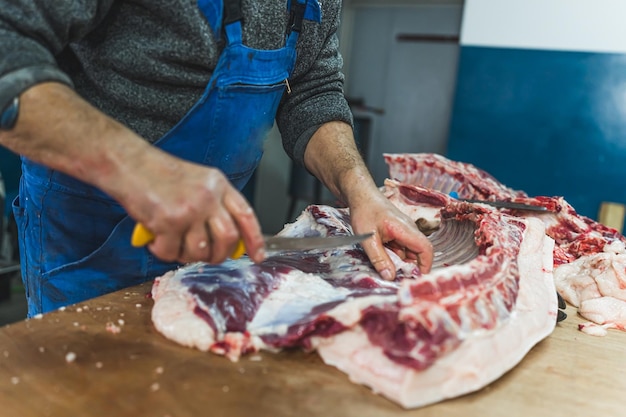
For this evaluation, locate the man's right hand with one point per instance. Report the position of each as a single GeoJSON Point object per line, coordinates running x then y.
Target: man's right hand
{"type": "Point", "coordinates": [193, 211]}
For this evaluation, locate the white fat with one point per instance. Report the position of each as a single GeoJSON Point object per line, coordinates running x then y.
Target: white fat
{"type": "Point", "coordinates": [593, 329]}
{"type": "Point", "coordinates": [574, 282]}
{"type": "Point", "coordinates": [616, 247]}
{"type": "Point", "coordinates": [604, 310]}
{"type": "Point", "coordinates": [173, 314]}
{"type": "Point", "coordinates": [299, 293]}
{"type": "Point", "coordinates": [351, 311]}
{"type": "Point", "coordinates": [597, 285]}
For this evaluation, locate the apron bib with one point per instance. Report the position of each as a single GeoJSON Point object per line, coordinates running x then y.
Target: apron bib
{"type": "Point", "coordinates": [75, 240]}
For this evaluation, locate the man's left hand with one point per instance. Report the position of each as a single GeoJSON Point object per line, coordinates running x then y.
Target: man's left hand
{"type": "Point", "coordinates": [394, 230]}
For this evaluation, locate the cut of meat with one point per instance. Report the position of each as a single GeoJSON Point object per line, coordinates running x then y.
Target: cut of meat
{"type": "Point", "coordinates": [596, 284]}
{"type": "Point", "coordinates": [575, 235]}
{"type": "Point", "coordinates": [240, 302]}
{"type": "Point", "coordinates": [477, 348]}
{"type": "Point", "coordinates": [417, 340]}
{"type": "Point", "coordinates": [439, 173]}
{"type": "Point", "coordinates": [501, 302]}
{"type": "Point", "coordinates": [589, 258]}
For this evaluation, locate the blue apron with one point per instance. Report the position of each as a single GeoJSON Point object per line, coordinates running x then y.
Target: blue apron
{"type": "Point", "coordinates": [75, 239]}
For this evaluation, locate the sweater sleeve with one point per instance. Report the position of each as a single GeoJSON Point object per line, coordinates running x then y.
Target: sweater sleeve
{"type": "Point", "coordinates": [316, 86]}
{"type": "Point", "coordinates": [33, 33]}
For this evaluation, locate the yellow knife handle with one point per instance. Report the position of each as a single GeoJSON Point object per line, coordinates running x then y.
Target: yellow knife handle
{"type": "Point", "coordinates": [142, 236]}
{"type": "Point", "coordinates": [239, 250]}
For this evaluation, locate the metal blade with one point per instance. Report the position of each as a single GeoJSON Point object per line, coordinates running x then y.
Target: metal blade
{"type": "Point", "coordinates": [308, 243]}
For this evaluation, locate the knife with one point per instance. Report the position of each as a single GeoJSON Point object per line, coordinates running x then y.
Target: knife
{"type": "Point", "coordinates": [500, 204]}
{"type": "Point", "coordinates": [507, 205]}
{"type": "Point", "coordinates": [142, 236]}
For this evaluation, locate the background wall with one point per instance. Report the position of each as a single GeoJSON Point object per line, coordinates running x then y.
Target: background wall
{"type": "Point", "coordinates": [541, 97]}
{"type": "Point", "coordinates": [403, 61]}
{"type": "Point", "coordinates": [411, 81]}
{"type": "Point", "coordinates": [272, 180]}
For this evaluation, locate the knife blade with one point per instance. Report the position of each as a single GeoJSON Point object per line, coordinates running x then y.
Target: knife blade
{"type": "Point", "coordinates": [500, 204]}
{"type": "Point", "coordinates": [142, 236]}
{"type": "Point", "coordinates": [279, 243]}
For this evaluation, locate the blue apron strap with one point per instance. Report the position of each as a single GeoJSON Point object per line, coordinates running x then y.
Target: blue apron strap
{"type": "Point", "coordinates": [296, 16]}
{"type": "Point", "coordinates": [312, 9]}
{"type": "Point", "coordinates": [297, 12]}
{"type": "Point", "coordinates": [232, 21]}
{"type": "Point", "coordinates": [214, 10]}
{"type": "Point", "coordinates": [232, 11]}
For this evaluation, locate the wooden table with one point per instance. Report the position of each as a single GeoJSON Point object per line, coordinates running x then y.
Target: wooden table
{"type": "Point", "coordinates": [137, 372]}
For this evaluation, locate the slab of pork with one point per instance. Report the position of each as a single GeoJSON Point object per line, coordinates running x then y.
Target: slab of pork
{"type": "Point", "coordinates": [418, 340]}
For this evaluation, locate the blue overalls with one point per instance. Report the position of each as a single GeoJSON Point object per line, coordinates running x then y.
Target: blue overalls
{"type": "Point", "coordinates": [75, 240]}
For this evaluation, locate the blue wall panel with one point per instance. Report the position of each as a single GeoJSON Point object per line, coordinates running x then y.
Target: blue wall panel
{"type": "Point", "coordinates": [546, 122]}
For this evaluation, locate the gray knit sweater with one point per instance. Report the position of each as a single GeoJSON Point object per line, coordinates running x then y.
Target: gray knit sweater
{"type": "Point", "coordinates": [145, 62]}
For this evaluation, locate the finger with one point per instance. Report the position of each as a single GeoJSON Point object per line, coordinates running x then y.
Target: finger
{"type": "Point", "coordinates": [168, 247]}
{"type": "Point", "coordinates": [417, 246]}
{"type": "Point", "coordinates": [423, 252]}
{"type": "Point", "coordinates": [399, 250]}
{"type": "Point", "coordinates": [224, 236]}
{"type": "Point", "coordinates": [378, 257]}
{"type": "Point", "coordinates": [247, 225]}
{"type": "Point", "coordinates": [197, 244]}
{"type": "Point", "coordinates": [411, 256]}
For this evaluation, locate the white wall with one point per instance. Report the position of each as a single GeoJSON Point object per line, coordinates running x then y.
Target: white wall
{"type": "Point", "coordinates": [567, 25]}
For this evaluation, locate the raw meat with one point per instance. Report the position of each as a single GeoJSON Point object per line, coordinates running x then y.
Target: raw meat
{"type": "Point", "coordinates": [439, 173]}
{"type": "Point", "coordinates": [596, 284]}
{"type": "Point", "coordinates": [417, 340]}
{"type": "Point", "coordinates": [589, 258]}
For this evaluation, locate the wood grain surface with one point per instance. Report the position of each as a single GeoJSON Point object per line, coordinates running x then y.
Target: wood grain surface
{"type": "Point", "coordinates": [137, 372]}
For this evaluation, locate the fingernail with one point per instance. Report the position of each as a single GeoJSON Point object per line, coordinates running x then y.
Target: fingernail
{"type": "Point", "coordinates": [386, 274]}
{"type": "Point", "coordinates": [260, 254]}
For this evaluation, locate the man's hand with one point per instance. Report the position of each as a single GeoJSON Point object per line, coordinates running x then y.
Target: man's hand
{"type": "Point", "coordinates": [193, 211]}
{"type": "Point", "coordinates": [392, 229]}
{"type": "Point", "coordinates": [331, 156]}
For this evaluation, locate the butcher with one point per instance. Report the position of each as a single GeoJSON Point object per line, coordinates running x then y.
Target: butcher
{"type": "Point", "coordinates": [155, 112]}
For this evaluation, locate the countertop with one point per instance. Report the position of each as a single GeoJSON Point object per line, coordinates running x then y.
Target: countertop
{"type": "Point", "coordinates": [74, 363]}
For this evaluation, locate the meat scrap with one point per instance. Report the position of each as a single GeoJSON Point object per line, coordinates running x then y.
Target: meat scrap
{"type": "Point", "coordinates": [589, 257]}
{"type": "Point", "coordinates": [596, 284]}
{"type": "Point", "coordinates": [417, 340]}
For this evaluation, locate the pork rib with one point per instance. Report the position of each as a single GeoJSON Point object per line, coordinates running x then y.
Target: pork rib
{"type": "Point", "coordinates": [589, 257]}
{"type": "Point", "coordinates": [439, 173]}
